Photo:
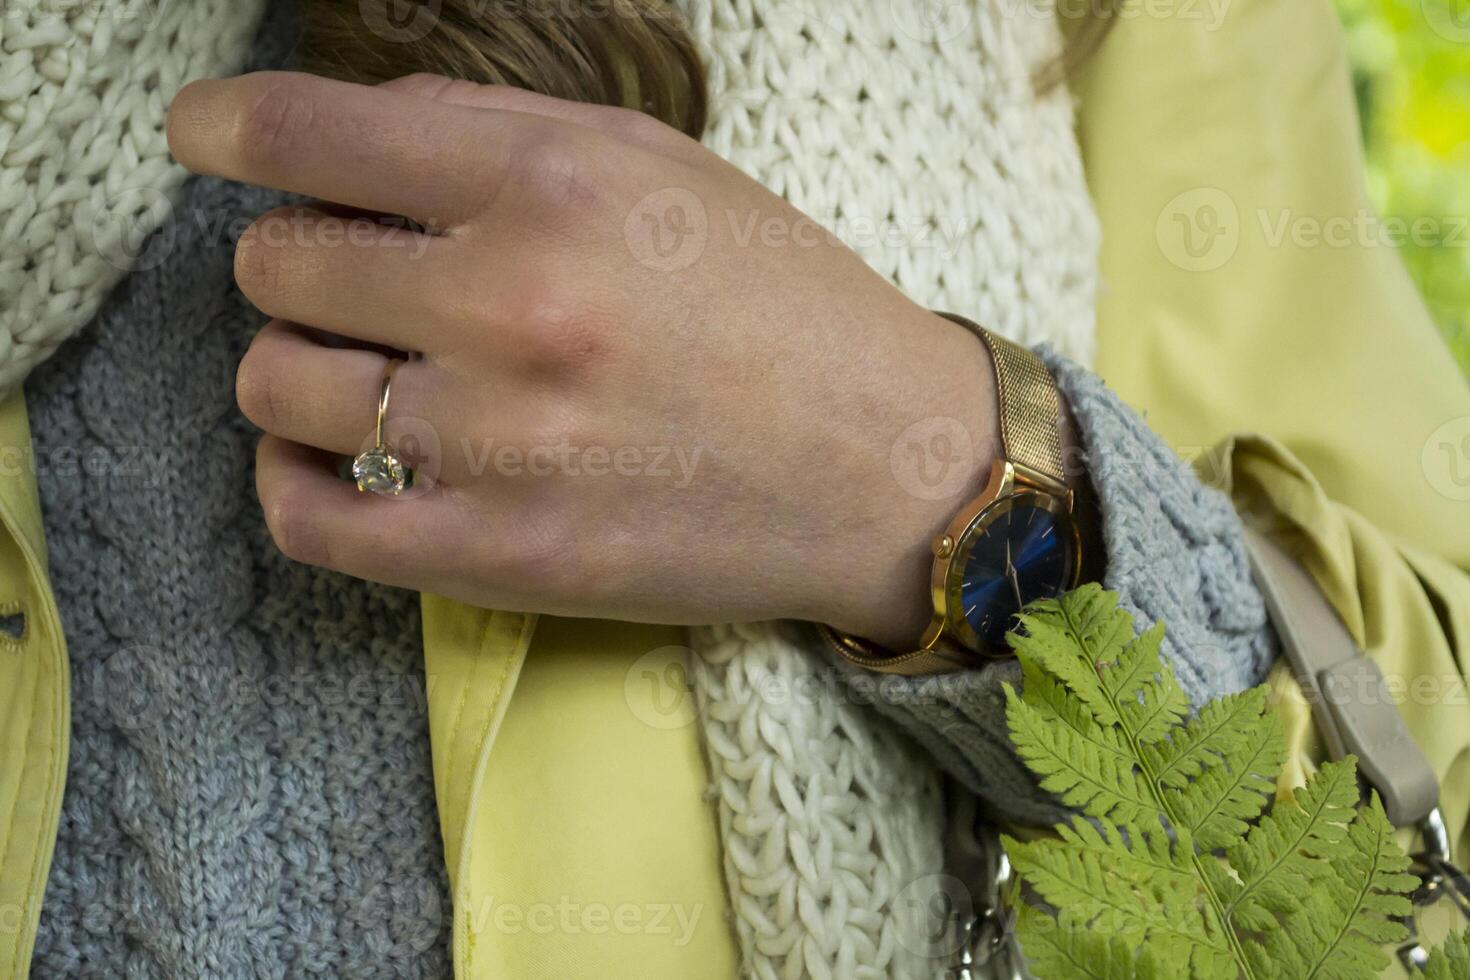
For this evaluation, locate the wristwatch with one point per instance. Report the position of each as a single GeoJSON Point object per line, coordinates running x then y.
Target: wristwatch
{"type": "Point", "coordinates": [1017, 542]}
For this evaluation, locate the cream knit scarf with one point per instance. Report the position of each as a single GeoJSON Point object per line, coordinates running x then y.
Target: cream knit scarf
{"type": "Point", "coordinates": [909, 127]}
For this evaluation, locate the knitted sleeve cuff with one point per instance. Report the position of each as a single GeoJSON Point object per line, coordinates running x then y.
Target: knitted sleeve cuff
{"type": "Point", "coordinates": [1174, 553]}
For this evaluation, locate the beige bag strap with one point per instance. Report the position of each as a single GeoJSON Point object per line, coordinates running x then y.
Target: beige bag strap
{"type": "Point", "coordinates": [1347, 691]}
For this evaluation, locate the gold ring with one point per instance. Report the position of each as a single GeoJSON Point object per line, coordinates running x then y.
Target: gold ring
{"type": "Point", "coordinates": [379, 470]}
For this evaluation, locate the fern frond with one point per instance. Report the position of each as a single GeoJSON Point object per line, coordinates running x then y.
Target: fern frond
{"type": "Point", "coordinates": [1310, 892]}
{"type": "Point", "coordinates": [1096, 774]}
{"type": "Point", "coordinates": [1451, 961]}
{"type": "Point", "coordinates": [1222, 726]}
{"type": "Point", "coordinates": [1216, 805]}
{"type": "Point", "coordinates": [1068, 641]}
{"type": "Point", "coordinates": [1149, 700]}
{"type": "Point", "coordinates": [1336, 929]}
{"type": "Point", "coordinates": [1290, 849]}
{"type": "Point", "coordinates": [1055, 950]}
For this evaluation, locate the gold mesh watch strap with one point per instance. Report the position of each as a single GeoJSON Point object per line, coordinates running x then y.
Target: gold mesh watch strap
{"type": "Point", "coordinates": [1030, 408]}
{"type": "Point", "coordinates": [1031, 441]}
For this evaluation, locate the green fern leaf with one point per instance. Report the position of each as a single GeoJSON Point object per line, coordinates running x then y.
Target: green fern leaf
{"type": "Point", "coordinates": [1055, 950]}
{"type": "Point", "coordinates": [1149, 699]}
{"type": "Point", "coordinates": [1309, 890]}
{"type": "Point", "coordinates": [1451, 961]}
{"type": "Point", "coordinates": [1092, 625]}
{"type": "Point", "coordinates": [1224, 722]}
{"type": "Point", "coordinates": [1232, 790]}
{"type": "Point", "coordinates": [1095, 774]}
{"type": "Point", "coordinates": [1337, 930]}
{"type": "Point", "coordinates": [1278, 860]}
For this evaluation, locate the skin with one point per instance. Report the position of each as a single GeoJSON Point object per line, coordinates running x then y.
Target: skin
{"type": "Point", "coordinates": [781, 364]}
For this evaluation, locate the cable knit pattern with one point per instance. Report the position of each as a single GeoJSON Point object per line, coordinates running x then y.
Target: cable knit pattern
{"type": "Point", "coordinates": [84, 165]}
{"type": "Point", "coordinates": [249, 791]}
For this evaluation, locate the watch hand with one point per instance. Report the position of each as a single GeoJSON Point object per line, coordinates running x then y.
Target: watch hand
{"type": "Point", "coordinates": [1011, 574]}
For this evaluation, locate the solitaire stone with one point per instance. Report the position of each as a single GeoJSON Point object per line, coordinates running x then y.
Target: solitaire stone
{"type": "Point", "coordinates": [378, 471]}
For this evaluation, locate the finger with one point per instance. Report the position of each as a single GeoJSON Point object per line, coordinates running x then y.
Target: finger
{"type": "Point", "coordinates": [296, 388]}
{"type": "Point", "coordinates": [370, 147]}
{"type": "Point", "coordinates": [353, 276]}
{"type": "Point", "coordinates": [625, 125]}
{"type": "Point", "coordinates": [318, 519]}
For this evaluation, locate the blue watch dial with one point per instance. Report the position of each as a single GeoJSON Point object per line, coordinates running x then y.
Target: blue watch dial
{"type": "Point", "coordinates": [1023, 549]}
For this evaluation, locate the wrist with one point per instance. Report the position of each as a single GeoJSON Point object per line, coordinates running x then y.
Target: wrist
{"type": "Point", "coordinates": [894, 611]}
{"type": "Point", "coordinates": [937, 457]}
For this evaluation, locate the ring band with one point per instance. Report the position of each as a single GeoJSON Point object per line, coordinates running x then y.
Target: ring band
{"type": "Point", "coordinates": [379, 470]}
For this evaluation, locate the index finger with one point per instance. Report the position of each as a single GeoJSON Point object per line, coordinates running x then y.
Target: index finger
{"type": "Point", "coordinates": [363, 146]}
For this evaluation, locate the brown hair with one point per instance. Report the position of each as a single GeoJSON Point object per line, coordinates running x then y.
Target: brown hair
{"type": "Point", "coordinates": [634, 53]}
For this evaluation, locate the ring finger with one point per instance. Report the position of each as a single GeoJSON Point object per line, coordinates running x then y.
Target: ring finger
{"type": "Point", "coordinates": [295, 387]}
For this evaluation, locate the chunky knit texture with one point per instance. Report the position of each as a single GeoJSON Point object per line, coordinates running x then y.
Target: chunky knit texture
{"type": "Point", "coordinates": [250, 790]}
{"type": "Point", "coordinates": [922, 142]}
{"type": "Point", "coordinates": [84, 165]}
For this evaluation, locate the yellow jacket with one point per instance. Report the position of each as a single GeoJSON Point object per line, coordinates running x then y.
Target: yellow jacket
{"type": "Point", "coordinates": [1198, 137]}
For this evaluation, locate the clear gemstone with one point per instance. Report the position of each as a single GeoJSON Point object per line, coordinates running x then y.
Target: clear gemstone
{"type": "Point", "coordinates": [377, 470]}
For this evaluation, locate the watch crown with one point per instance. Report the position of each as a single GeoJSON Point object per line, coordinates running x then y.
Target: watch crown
{"type": "Point", "coordinates": [943, 546]}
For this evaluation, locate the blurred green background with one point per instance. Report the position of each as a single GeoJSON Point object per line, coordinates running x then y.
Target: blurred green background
{"type": "Point", "coordinates": [1411, 61]}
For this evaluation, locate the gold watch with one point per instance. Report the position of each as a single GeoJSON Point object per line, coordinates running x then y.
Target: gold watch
{"type": "Point", "coordinates": [1017, 542]}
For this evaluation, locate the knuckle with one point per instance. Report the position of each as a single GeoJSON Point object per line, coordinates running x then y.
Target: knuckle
{"type": "Point", "coordinates": [640, 127]}
{"type": "Point", "coordinates": [292, 527]}
{"type": "Point", "coordinates": [258, 265]}
{"type": "Point", "coordinates": [259, 393]}
{"type": "Point", "coordinates": [564, 338]}
{"type": "Point", "coordinates": [274, 117]}
{"type": "Point", "coordinates": [554, 168]}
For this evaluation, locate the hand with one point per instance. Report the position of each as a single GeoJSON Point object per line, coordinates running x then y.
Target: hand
{"type": "Point", "coordinates": [648, 388]}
